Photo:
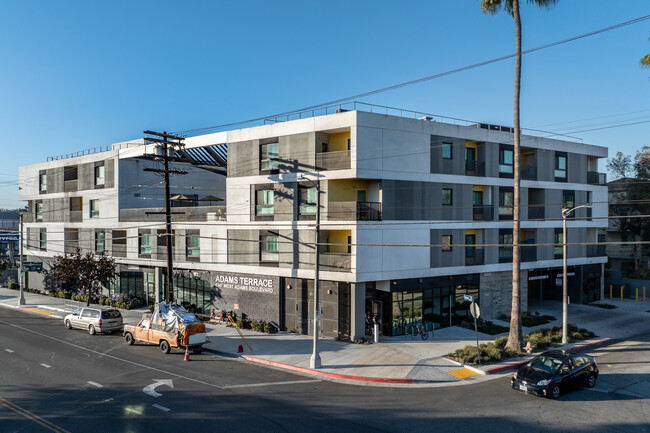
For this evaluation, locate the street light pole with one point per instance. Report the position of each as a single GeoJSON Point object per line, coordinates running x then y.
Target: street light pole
{"type": "Point", "coordinates": [565, 304]}
{"type": "Point", "coordinates": [315, 361]}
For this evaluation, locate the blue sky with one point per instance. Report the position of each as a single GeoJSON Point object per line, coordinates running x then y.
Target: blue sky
{"type": "Point", "coordinates": [80, 74]}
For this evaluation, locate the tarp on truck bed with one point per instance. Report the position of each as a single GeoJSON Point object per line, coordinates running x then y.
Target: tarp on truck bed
{"type": "Point", "coordinates": [172, 317]}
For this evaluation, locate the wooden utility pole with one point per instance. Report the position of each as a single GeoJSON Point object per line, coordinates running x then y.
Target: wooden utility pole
{"type": "Point", "coordinates": [166, 140]}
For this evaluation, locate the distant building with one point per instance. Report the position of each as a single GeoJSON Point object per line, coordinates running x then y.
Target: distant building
{"type": "Point", "coordinates": [9, 225]}
{"type": "Point", "coordinates": [416, 212]}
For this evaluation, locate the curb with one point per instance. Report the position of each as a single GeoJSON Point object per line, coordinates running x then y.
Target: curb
{"type": "Point", "coordinates": [513, 366]}
{"type": "Point", "coordinates": [311, 372]}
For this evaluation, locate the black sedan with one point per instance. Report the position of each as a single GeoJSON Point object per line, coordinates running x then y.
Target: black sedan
{"type": "Point", "coordinates": [553, 372]}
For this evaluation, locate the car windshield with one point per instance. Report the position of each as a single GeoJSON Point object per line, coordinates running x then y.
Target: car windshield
{"type": "Point", "coordinates": [111, 314]}
{"type": "Point", "coordinates": [544, 363]}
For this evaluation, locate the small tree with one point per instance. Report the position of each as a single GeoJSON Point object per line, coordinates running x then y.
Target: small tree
{"type": "Point", "coordinates": [6, 263]}
{"type": "Point", "coordinates": [84, 272]}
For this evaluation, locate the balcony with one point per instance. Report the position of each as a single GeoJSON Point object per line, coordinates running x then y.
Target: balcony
{"type": "Point", "coordinates": [483, 213]}
{"type": "Point", "coordinates": [536, 212]}
{"type": "Point", "coordinates": [528, 172]}
{"type": "Point", "coordinates": [354, 211]}
{"type": "Point", "coordinates": [76, 216]}
{"type": "Point", "coordinates": [119, 250]}
{"type": "Point", "coordinates": [70, 185]}
{"type": "Point", "coordinates": [505, 254]}
{"type": "Point", "coordinates": [339, 160]}
{"type": "Point", "coordinates": [181, 214]}
{"type": "Point", "coordinates": [474, 168]}
{"type": "Point", "coordinates": [335, 262]}
{"type": "Point", "coordinates": [596, 250]}
{"type": "Point", "coordinates": [527, 253]}
{"type": "Point", "coordinates": [474, 256]}
{"type": "Point", "coordinates": [595, 178]}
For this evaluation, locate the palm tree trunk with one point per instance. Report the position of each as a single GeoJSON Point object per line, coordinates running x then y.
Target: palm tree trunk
{"type": "Point", "coordinates": [515, 337]}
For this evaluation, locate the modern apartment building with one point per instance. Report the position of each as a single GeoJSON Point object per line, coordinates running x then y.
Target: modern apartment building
{"type": "Point", "coordinates": [415, 212]}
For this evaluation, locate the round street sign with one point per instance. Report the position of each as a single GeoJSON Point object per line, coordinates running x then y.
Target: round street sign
{"type": "Point", "coordinates": [475, 310]}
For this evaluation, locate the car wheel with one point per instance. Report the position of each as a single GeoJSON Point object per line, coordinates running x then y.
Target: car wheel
{"type": "Point", "coordinates": [128, 338]}
{"type": "Point", "coordinates": [68, 324]}
{"type": "Point", "coordinates": [164, 346]}
{"type": "Point", "coordinates": [591, 381]}
{"type": "Point", "coordinates": [197, 349]}
{"type": "Point", "coordinates": [91, 330]}
{"type": "Point", "coordinates": [555, 392]}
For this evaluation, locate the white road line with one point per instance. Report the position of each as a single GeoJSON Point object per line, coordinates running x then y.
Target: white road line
{"type": "Point", "coordinates": [250, 385]}
{"type": "Point", "coordinates": [98, 385]}
{"type": "Point", "coordinates": [46, 365]}
{"type": "Point", "coordinates": [163, 408]}
{"type": "Point", "coordinates": [9, 350]}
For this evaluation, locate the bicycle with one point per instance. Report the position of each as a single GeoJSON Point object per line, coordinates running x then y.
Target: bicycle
{"type": "Point", "coordinates": [418, 328]}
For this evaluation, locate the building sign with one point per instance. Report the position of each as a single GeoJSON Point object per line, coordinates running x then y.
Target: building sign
{"type": "Point", "coordinates": [249, 284]}
{"type": "Point", "coordinates": [538, 277]}
{"type": "Point", "coordinates": [9, 238]}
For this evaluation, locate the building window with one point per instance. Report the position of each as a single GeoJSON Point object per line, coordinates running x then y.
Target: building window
{"type": "Point", "coordinates": [94, 208]}
{"type": "Point", "coordinates": [38, 209]}
{"type": "Point", "coordinates": [569, 199]}
{"type": "Point", "coordinates": [70, 173]}
{"type": "Point", "coordinates": [269, 248]}
{"type": "Point", "coordinates": [506, 203]}
{"type": "Point", "coordinates": [446, 151]}
{"type": "Point", "coordinates": [505, 251]}
{"type": "Point", "coordinates": [560, 166]}
{"type": "Point", "coordinates": [308, 198]}
{"type": "Point", "coordinates": [446, 242]}
{"type": "Point", "coordinates": [42, 182]}
{"type": "Point", "coordinates": [447, 198]}
{"type": "Point", "coordinates": [145, 243]}
{"type": "Point", "coordinates": [264, 202]}
{"type": "Point", "coordinates": [192, 245]}
{"type": "Point", "coordinates": [269, 156]}
{"type": "Point", "coordinates": [558, 240]}
{"type": "Point", "coordinates": [100, 241]}
{"type": "Point", "coordinates": [506, 164]}
{"type": "Point", "coordinates": [42, 239]}
{"type": "Point", "coordinates": [99, 175]}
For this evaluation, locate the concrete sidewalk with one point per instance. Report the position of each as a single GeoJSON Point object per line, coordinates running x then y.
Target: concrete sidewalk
{"type": "Point", "coordinates": [395, 361]}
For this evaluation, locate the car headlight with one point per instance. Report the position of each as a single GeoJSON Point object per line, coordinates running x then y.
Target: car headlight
{"type": "Point", "coordinates": [543, 382]}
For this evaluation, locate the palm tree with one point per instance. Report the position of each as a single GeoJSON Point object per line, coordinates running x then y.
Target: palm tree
{"type": "Point", "coordinates": [515, 338]}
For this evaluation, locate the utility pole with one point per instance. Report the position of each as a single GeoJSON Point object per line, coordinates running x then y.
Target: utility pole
{"type": "Point", "coordinates": [21, 299]}
{"type": "Point", "coordinates": [167, 141]}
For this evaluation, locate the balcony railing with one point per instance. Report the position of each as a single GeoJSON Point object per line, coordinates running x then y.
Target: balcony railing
{"type": "Point", "coordinates": [505, 254]}
{"type": "Point", "coordinates": [70, 185]}
{"type": "Point", "coordinates": [474, 256]}
{"type": "Point", "coordinates": [336, 262]}
{"type": "Point", "coordinates": [596, 250]}
{"type": "Point", "coordinates": [354, 211]}
{"type": "Point", "coordinates": [474, 168]}
{"type": "Point", "coordinates": [339, 160]}
{"type": "Point", "coordinates": [528, 172]}
{"type": "Point", "coordinates": [536, 212]}
{"type": "Point", "coordinates": [483, 213]}
{"type": "Point", "coordinates": [76, 216]}
{"type": "Point", "coordinates": [595, 178]}
{"type": "Point", "coordinates": [528, 253]}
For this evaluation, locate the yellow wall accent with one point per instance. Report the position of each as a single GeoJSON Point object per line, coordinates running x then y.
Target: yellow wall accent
{"type": "Point", "coordinates": [472, 144]}
{"type": "Point", "coordinates": [339, 141]}
{"type": "Point", "coordinates": [471, 232]}
{"type": "Point", "coordinates": [478, 188]}
{"type": "Point", "coordinates": [339, 237]}
{"type": "Point", "coordinates": [345, 189]}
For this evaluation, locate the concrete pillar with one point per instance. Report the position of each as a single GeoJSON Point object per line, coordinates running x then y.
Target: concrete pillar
{"type": "Point", "coordinates": [357, 311]}
{"type": "Point", "coordinates": [602, 281]}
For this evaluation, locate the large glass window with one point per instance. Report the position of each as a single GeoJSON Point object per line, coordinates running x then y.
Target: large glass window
{"type": "Point", "coordinates": [446, 242]}
{"type": "Point", "coordinates": [269, 156]}
{"type": "Point", "coordinates": [505, 251]}
{"type": "Point", "coordinates": [446, 151]}
{"type": "Point", "coordinates": [269, 248]}
{"type": "Point", "coordinates": [145, 243]}
{"type": "Point", "coordinates": [506, 202]}
{"type": "Point", "coordinates": [94, 208]}
{"type": "Point", "coordinates": [42, 182]}
{"type": "Point", "coordinates": [193, 247]}
{"type": "Point", "coordinates": [560, 166]}
{"type": "Point", "coordinates": [100, 241]}
{"type": "Point", "coordinates": [308, 198]}
{"type": "Point", "coordinates": [42, 239]}
{"type": "Point", "coordinates": [265, 200]}
{"type": "Point", "coordinates": [558, 240]}
{"type": "Point", "coordinates": [447, 196]}
{"type": "Point", "coordinates": [38, 205]}
{"type": "Point", "coordinates": [99, 175]}
{"type": "Point", "coordinates": [506, 163]}
{"type": "Point", "coordinates": [569, 201]}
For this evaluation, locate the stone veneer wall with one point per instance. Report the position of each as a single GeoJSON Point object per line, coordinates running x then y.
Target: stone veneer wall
{"type": "Point", "coordinates": [496, 293]}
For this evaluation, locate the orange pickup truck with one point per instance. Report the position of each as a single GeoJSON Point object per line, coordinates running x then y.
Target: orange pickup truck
{"type": "Point", "coordinates": [191, 335]}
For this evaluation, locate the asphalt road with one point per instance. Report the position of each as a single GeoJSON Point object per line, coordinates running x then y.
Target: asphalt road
{"type": "Point", "coordinates": [55, 380]}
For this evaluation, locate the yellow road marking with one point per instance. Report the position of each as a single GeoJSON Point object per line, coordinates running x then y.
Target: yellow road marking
{"type": "Point", "coordinates": [463, 373]}
{"type": "Point", "coordinates": [27, 414]}
{"type": "Point", "coordinates": [39, 310]}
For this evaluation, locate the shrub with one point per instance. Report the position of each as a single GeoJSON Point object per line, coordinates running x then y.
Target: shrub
{"type": "Point", "coordinates": [361, 340]}
{"type": "Point", "coordinates": [243, 323]}
{"type": "Point", "coordinates": [501, 342]}
{"type": "Point", "coordinates": [13, 285]}
{"type": "Point", "coordinates": [258, 325]}
{"type": "Point", "coordinates": [270, 328]}
{"type": "Point", "coordinates": [484, 326]}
